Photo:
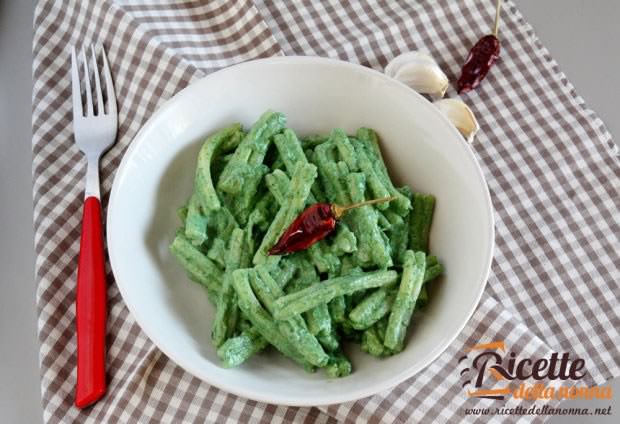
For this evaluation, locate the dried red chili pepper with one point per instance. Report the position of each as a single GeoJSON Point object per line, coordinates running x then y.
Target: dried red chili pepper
{"type": "Point", "coordinates": [480, 59]}
{"type": "Point", "coordinates": [315, 223]}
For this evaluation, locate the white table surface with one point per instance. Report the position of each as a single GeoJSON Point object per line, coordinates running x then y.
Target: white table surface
{"type": "Point", "coordinates": [582, 35]}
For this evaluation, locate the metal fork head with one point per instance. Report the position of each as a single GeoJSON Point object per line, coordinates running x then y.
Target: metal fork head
{"type": "Point", "coordinates": [94, 129]}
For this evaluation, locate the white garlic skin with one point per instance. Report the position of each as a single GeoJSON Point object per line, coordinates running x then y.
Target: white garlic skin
{"type": "Point", "coordinates": [461, 117]}
{"type": "Point", "coordinates": [419, 71]}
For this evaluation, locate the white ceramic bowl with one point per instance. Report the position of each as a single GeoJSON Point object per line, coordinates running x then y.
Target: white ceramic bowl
{"type": "Point", "coordinates": [422, 149]}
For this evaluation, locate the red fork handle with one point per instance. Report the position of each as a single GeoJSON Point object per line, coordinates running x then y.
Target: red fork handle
{"type": "Point", "coordinates": [91, 308]}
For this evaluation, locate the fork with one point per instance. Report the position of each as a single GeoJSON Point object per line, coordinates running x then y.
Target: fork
{"type": "Point", "coordinates": [94, 133]}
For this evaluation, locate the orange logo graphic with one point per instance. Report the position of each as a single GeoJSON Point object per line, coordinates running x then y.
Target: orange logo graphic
{"type": "Point", "coordinates": [489, 370]}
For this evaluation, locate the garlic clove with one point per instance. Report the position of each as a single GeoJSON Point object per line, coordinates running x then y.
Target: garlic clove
{"type": "Point", "coordinates": [414, 56]}
{"type": "Point", "coordinates": [419, 71]}
{"type": "Point", "coordinates": [460, 115]}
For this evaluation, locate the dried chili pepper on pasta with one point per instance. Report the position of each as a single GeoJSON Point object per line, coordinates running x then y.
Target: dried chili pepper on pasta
{"type": "Point", "coordinates": [315, 223]}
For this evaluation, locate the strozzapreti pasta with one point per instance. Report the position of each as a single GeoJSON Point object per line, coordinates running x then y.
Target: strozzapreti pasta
{"type": "Point", "coordinates": [362, 283]}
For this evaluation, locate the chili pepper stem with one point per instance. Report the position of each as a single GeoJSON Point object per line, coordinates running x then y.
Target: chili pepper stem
{"type": "Point", "coordinates": [339, 210]}
{"type": "Point", "coordinates": [498, 8]}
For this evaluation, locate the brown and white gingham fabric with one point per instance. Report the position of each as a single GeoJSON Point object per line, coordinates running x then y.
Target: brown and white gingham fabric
{"type": "Point", "coordinates": [551, 167]}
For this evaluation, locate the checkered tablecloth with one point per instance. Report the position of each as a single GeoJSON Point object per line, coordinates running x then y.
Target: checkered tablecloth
{"type": "Point", "coordinates": [551, 167]}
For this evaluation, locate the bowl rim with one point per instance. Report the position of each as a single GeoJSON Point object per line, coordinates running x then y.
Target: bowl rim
{"type": "Point", "coordinates": [299, 399]}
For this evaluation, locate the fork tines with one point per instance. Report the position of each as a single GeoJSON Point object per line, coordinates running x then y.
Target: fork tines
{"type": "Point", "coordinates": [78, 110]}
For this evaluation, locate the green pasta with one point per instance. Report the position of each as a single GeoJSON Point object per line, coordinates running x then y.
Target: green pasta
{"type": "Point", "coordinates": [398, 238]}
{"type": "Point", "coordinates": [227, 314]}
{"type": "Point", "coordinates": [344, 241]}
{"type": "Point", "coordinates": [290, 149]}
{"type": "Point", "coordinates": [195, 222]}
{"type": "Point", "coordinates": [364, 221]}
{"type": "Point", "coordinates": [371, 140]}
{"type": "Point", "coordinates": [237, 350]}
{"type": "Point", "coordinates": [338, 365]}
{"type": "Point", "coordinates": [325, 291]}
{"type": "Point", "coordinates": [414, 265]}
{"type": "Point", "coordinates": [345, 148]}
{"type": "Point", "coordinates": [250, 152]}
{"type": "Point", "coordinates": [313, 140]}
{"type": "Point", "coordinates": [217, 252]}
{"type": "Point", "coordinates": [318, 319]}
{"type": "Point", "coordinates": [372, 343]}
{"type": "Point", "coordinates": [203, 183]}
{"type": "Point", "coordinates": [422, 298]}
{"type": "Point", "coordinates": [375, 183]}
{"type": "Point", "coordinates": [283, 273]}
{"type": "Point", "coordinates": [361, 284]}
{"type": "Point", "coordinates": [321, 159]}
{"type": "Point", "coordinates": [302, 180]}
{"type": "Point", "coordinates": [261, 320]}
{"type": "Point", "coordinates": [294, 329]}
{"type": "Point", "coordinates": [279, 185]}
{"type": "Point", "coordinates": [420, 221]}
{"type": "Point", "coordinates": [372, 308]}
{"type": "Point", "coordinates": [199, 268]}
{"type": "Point", "coordinates": [337, 308]}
